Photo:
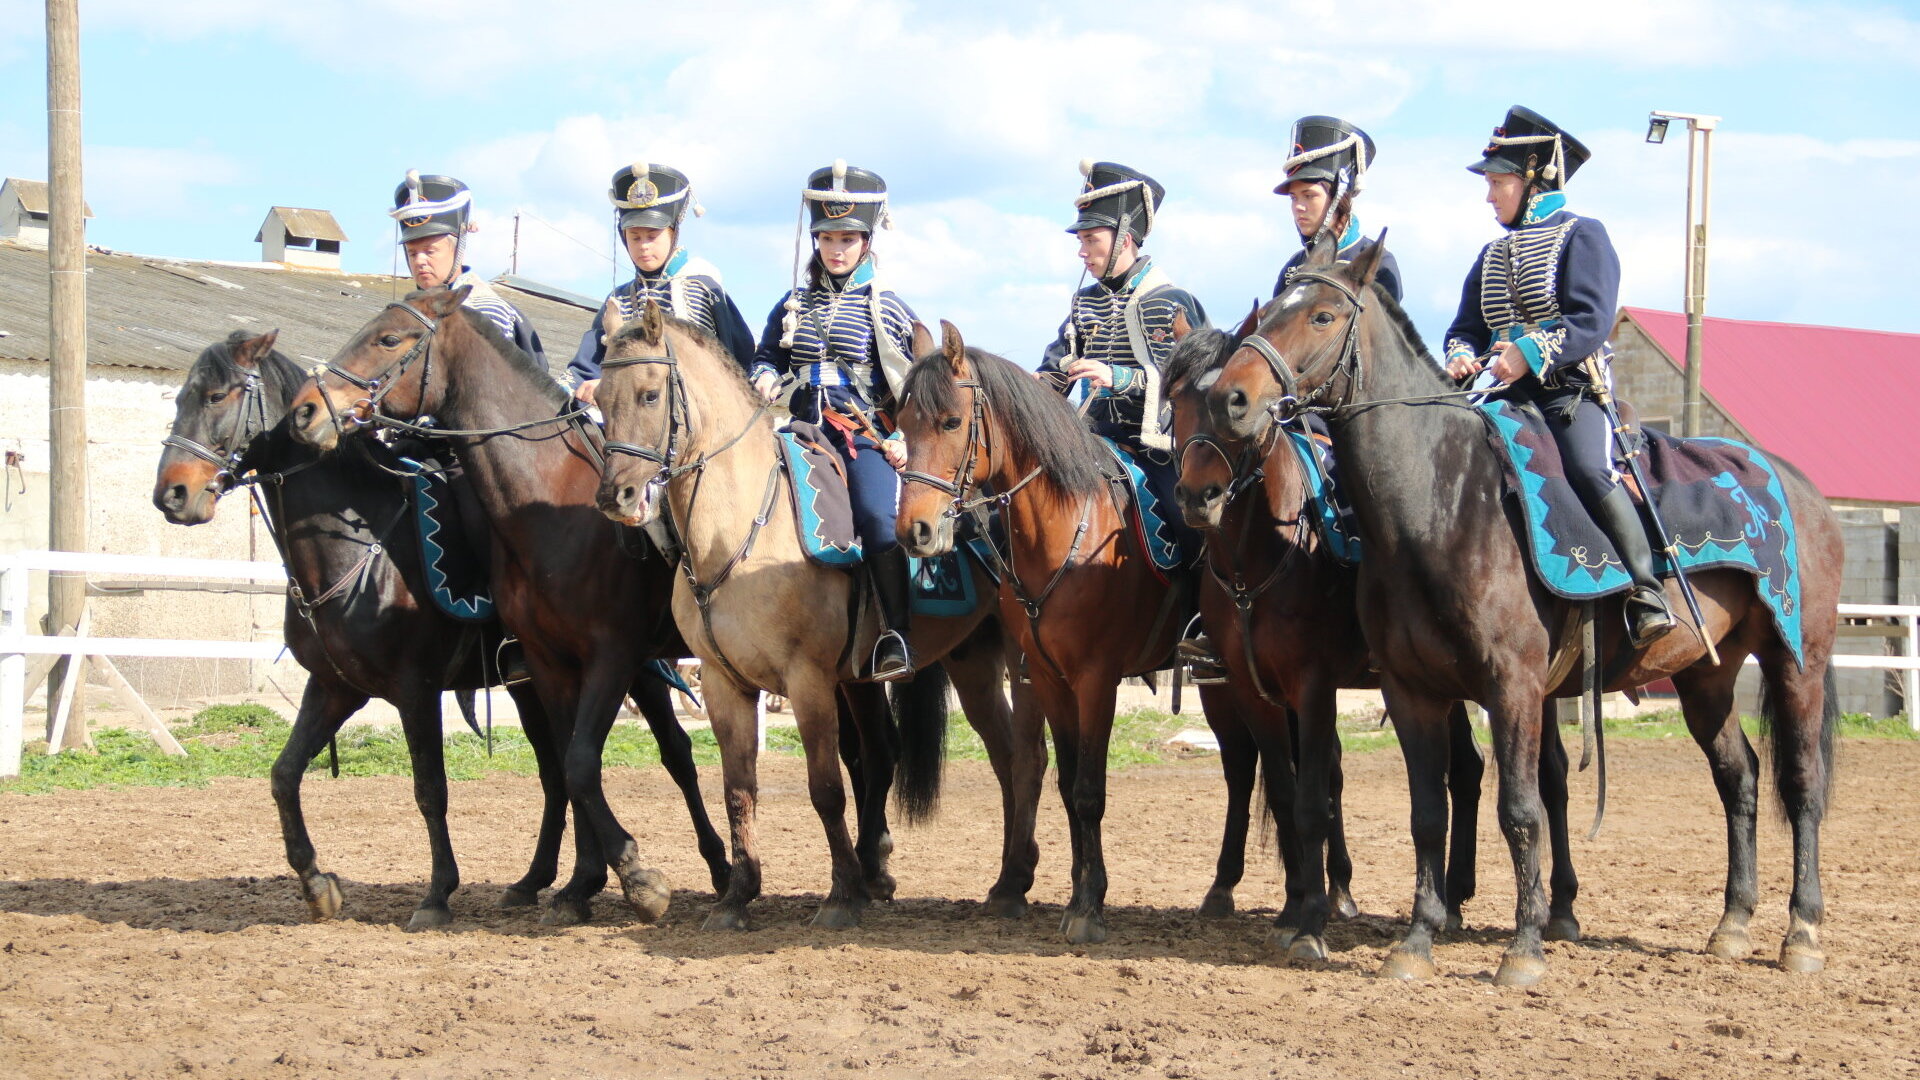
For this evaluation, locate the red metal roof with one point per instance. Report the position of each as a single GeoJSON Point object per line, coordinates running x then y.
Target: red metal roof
{"type": "Point", "coordinates": [1841, 404]}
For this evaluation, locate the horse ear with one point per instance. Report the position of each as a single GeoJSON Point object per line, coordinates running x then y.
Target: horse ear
{"type": "Point", "coordinates": [249, 352]}
{"type": "Point", "coordinates": [1182, 326]}
{"type": "Point", "coordinates": [922, 339]}
{"type": "Point", "coordinates": [611, 320]}
{"type": "Point", "coordinates": [653, 322]}
{"type": "Point", "coordinates": [1322, 251]}
{"type": "Point", "coordinates": [954, 348]}
{"type": "Point", "coordinates": [1251, 324]}
{"type": "Point", "coordinates": [1367, 266]}
{"type": "Point", "coordinates": [442, 303]}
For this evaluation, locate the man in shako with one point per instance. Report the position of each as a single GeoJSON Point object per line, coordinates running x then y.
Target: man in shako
{"type": "Point", "coordinates": [1326, 172]}
{"type": "Point", "coordinates": [650, 203]}
{"type": "Point", "coordinates": [1535, 314]}
{"type": "Point", "coordinates": [847, 343]}
{"type": "Point", "coordinates": [435, 214]}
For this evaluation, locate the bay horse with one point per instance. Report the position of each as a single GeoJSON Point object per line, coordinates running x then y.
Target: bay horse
{"type": "Point", "coordinates": [1279, 607]}
{"type": "Point", "coordinates": [589, 616]}
{"type": "Point", "coordinates": [362, 623]}
{"type": "Point", "coordinates": [694, 445]}
{"type": "Point", "coordinates": [1452, 611]}
{"type": "Point", "coordinates": [1085, 604]}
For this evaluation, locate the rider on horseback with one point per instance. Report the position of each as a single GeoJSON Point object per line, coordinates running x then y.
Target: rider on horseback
{"type": "Point", "coordinates": [434, 212]}
{"type": "Point", "coordinates": [651, 202]}
{"type": "Point", "coordinates": [1536, 311]}
{"type": "Point", "coordinates": [1327, 170]}
{"type": "Point", "coordinates": [848, 343]}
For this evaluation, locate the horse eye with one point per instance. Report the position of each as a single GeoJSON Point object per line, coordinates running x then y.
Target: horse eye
{"type": "Point", "coordinates": [216, 397]}
{"type": "Point", "coordinates": [952, 424]}
{"type": "Point", "coordinates": [651, 397]}
{"type": "Point", "coordinates": [1323, 318]}
{"type": "Point", "coordinates": [390, 341]}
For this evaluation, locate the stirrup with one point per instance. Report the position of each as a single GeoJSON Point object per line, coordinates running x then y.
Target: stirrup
{"type": "Point", "coordinates": [1648, 617]}
{"type": "Point", "coordinates": [510, 662]}
{"type": "Point", "coordinates": [900, 668]}
{"type": "Point", "coordinates": [1206, 671]}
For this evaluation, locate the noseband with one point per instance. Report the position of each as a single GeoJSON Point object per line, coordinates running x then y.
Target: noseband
{"type": "Point", "coordinates": [1346, 359]}
{"type": "Point", "coordinates": [963, 482]}
{"type": "Point", "coordinates": [249, 420]}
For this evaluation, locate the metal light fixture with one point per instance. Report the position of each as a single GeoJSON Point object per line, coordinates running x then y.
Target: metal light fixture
{"type": "Point", "coordinates": [1657, 128]}
{"type": "Point", "coordinates": [1699, 168]}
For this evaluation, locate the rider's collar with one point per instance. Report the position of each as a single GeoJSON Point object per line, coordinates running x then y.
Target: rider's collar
{"type": "Point", "coordinates": [1542, 206]}
{"type": "Point", "coordinates": [1126, 281]}
{"type": "Point", "coordinates": [669, 269]}
{"type": "Point", "coordinates": [862, 275]}
{"type": "Point", "coordinates": [1348, 236]}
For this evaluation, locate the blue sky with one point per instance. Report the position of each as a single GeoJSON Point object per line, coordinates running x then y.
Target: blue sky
{"type": "Point", "coordinates": [200, 114]}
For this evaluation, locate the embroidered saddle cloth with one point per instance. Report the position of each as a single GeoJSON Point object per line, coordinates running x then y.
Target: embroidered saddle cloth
{"type": "Point", "coordinates": [454, 556]}
{"type": "Point", "coordinates": [1149, 510]}
{"type": "Point", "coordinates": [1327, 505]}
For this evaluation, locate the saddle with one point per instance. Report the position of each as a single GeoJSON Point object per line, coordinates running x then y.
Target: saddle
{"type": "Point", "coordinates": [1159, 533]}
{"type": "Point", "coordinates": [455, 545]}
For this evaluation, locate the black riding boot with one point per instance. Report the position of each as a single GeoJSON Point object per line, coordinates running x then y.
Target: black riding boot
{"type": "Point", "coordinates": [888, 570]}
{"type": "Point", "coordinates": [1648, 618]}
{"type": "Point", "coordinates": [1203, 660]}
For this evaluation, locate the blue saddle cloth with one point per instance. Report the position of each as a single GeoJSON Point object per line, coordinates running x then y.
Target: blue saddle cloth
{"type": "Point", "coordinates": [1721, 501]}
{"type": "Point", "coordinates": [1332, 515]}
{"type": "Point", "coordinates": [1150, 519]}
{"type": "Point", "coordinates": [942, 587]}
{"type": "Point", "coordinates": [455, 568]}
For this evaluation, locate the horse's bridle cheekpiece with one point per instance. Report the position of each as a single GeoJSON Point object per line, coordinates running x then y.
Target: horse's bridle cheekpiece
{"type": "Point", "coordinates": [249, 420]}
{"type": "Point", "coordinates": [1347, 359]}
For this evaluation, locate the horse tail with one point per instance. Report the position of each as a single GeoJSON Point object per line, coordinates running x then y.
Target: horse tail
{"type": "Point", "coordinates": [920, 713]}
{"type": "Point", "coordinates": [464, 698]}
{"type": "Point", "coordinates": [1786, 779]}
{"type": "Point", "coordinates": [1263, 832]}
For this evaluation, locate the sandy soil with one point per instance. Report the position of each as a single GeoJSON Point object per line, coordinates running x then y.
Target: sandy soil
{"type": "Point", "coordinates": [150, 932]}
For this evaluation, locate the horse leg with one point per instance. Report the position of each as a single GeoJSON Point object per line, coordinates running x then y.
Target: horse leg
{"type": "Point", "coordinates": [1419, 722]}
{"type": "Point", "coordinates": [1085, 922]}
{"type": "Point", "coordinates": [1063, 723]}
{"type": "Point", "coordinates": [1516, 717]}
{"type": "Point", "coordinates": [1465, 769]}
{"type": "Point", "coordinates": [601, 690]}
{"type": "Point", "coordinates": [553, 789]}
{"type": "Point", "coordinates": [1312, 814]}
{"type": "Point", "coordinates": [1561, 923]}
{"type": "Point", "coordinates": [1240, 764]}
{"type": "Point", "coordinates": [1707, 701]}
{"type": "Point", "coordinates": [1339, 859]}
{"type": "Point", "coordinates": [572, 903]}
{"type": "Point", "coordinates": [735, 728]}
{"type": "Point", "coordinates": [878, 749]}
{"type": "Point", "coordinates": [655, 699]}
{"type": "Point", "coordinates": [426, 748]}
{"type": "Point", "coordinates": [815, 706]}
{"type": "Point", "coordinates": [1018, 752]}
{"type": "Point", "coordinates": [1801, 714]}
{"type": "Point", "coordinates": [324, 706]}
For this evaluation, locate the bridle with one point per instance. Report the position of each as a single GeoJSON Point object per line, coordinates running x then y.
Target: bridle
{"type": "Point", "coordinates": [1345, 358]}
{"type": "Point", "coordinates": [249, 420]}
{"type": "Point", "coordinates": [965, 478]}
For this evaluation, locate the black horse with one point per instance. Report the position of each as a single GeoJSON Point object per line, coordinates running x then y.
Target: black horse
{"type": "Point", "coordinates": [358, 616]}
{"type": "Point", "coordinates": [1452, 611]}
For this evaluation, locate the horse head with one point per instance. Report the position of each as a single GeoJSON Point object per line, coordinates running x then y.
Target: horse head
{"type": "Point", "coordinates": [1210, 466]}
{"type": "Point", "coordinates": [385, 368]}
{"type": "Point", "coordinates": [1301, 350]}
{"type": "Point", "coordinates": [643, 400]}
{"type": "Point", "coordinates": [218, 412]}
{"type": "Point", "coordinates": [943, 416]}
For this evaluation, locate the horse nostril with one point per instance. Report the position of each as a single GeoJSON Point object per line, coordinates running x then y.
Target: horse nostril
{"type": "Point", "coordinates": [1237, 404]}
{"type": "Point", "coordinates": [629, 495]}
{"type": "Point", "coordinates": [1211, 493]}
{"type": "Point", "coordinates": [175, 497]}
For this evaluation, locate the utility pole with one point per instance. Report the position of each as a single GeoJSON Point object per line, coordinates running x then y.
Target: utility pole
{"type": "Point", "coordinates": [1699, 165]}
{"type": "Point", "coordinates": [67, 329]}
{"type": "Point", "coordinates": [513, 264]}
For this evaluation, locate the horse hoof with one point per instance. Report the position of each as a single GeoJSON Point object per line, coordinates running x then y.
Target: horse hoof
{"type": "Point", "coordinates": [1455, 922]}
{"type": "Point", "coordinates": [1802, 958]}
{"type": "Point", "coordinates": [1344, 908]}
{"type": "Point", "coordinates": [514, 896]}
{"type": "Point", "coordinates": [1407, 966]}
{"type": "Point", "coordinates": [1009, 906]}
{"type": "Point", "coordinates": [725, 918]}
{"type": "Point", "coordinates": [566, 911]}
{"type": "Point", "coordinates": [1280, 937]}
{"type": "Point", "coordinates": [881, 888]}
{"type": "Point", "coordinates": [836, 915]}
{"type": "Point", "coordinates": [647, 893]}
{"type": "Point", "coordinates": [1218, 904]}
{"type": "Point", "coordinates": [1562, 928]}
{"type": "Point", "coordinates": [324, 898]}
{"type": "Point", "coordinates": [1520, 970]}
{"type": "Point", "coordinates": [1084, 929]}
{"type": "Point", "coordinates": [1730, 943]}
{"type": "Point", "coordinates": [1307, 947]}
{"type": "Point", "coordinates": [429, 918]}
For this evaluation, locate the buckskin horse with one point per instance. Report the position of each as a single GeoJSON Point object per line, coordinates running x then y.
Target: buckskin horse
{"type": "Point", "coordinates": [589, 615]}
{"type": "Point", "coordinates": [361, 622]}
{"type": "Point", "coordinates": [1452, 611]}
{"type": "Point", "coordinates": [1086, 604]}
{"type": "Point", "coordinates": [1279, 607]}
{"type": "Point", "coordinates": [691, 443]}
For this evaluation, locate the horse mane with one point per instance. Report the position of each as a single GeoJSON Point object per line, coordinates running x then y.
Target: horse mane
{"type": "Point", "coordinates": [1402, 322]}
{"type": "Point", "coordinates": [632, 331]}
{"type": "Point", "coordinates": [488, 331]}
{"type": "Point", "coordinates": [1032, 415]}
{"type": "Point", "coordinates": [215, 368]}
{"type": "Point", "coordinates": [1201, 351]}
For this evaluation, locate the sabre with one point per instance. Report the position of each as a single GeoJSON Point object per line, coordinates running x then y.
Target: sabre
{"type": "Point", "coordinates": [1652, 511]}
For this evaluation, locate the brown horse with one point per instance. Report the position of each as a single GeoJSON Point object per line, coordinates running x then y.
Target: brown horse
{"type": "Point", "coordinates": [1086, 604]}
{"type": "Point", "coordinates": [1280, 609]}
{"type": "Point", "coordinates": [589, 615]}
{"type": "Point", "coordinates": [695, 444]}
{"type": "Point", "coordinates": [1452, 611]}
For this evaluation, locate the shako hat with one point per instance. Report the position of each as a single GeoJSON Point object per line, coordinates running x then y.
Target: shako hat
{"type": "Point", "coordinates": [846, 198]}
{"type": "Point", "coordinates": [431, 206]}
{"type": "Point", "coordinates": [1118, 198]}
{"type": "Point", "coordinates": [652, 195]}
{"type": "Point", "coordinates": [1323, 148]}
{"type": "Point", "coordinates": [1534, 148]}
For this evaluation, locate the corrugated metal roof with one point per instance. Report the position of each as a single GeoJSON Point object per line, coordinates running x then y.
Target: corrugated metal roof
{"type": "Point", "coordinates": [33, 195]}
{"type": "Point", "coordinates": [1762, 374]}
{"type": "Point", "coordinates": [312, 224]}
{"type": "Point", "coordinates": [144, 313]}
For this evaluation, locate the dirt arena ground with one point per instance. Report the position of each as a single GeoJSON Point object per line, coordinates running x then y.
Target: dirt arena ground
{"type": "Point", "coordinates": [156, 932]}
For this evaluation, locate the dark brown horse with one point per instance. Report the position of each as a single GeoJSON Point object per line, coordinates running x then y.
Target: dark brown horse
{"type": "Point", "coordinates": [696, 447]}
{"type": "Point", "coordinates": [361, 623]}
{"type": "Point", "coordinates": [589, 615]}
{"type": "Point", "coordinates": [1452, 611]}
{"type": "Point", "coordinates": [1280, 609]}
{"type": "Point", "coordinates": [1086, 605]}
